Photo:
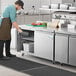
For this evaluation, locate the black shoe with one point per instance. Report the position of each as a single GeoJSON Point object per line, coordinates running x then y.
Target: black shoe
{"type": "Point", "coordinates": [4, 58]}
{"type": "Point", "coordinates": [10, 55]}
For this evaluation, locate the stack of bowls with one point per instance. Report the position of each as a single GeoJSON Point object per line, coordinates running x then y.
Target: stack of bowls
{"type": "Point", "coordinates": [63, 6]}
{"type": "Point", "coordinates": [54, 6]}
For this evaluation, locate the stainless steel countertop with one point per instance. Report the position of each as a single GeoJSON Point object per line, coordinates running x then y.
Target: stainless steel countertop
{"type": "Point", "coordinates": [66, 31]}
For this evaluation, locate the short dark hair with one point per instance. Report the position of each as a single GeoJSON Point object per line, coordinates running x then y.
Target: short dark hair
{"type": "Point", "coordinates": [20, 3]}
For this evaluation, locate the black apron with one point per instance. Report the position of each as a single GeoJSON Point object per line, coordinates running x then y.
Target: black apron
{"type": "Point", "coordinates": [5, 29]}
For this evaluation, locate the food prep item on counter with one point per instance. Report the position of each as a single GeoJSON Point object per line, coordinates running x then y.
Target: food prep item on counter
{"type": "Point", "coordinates": [43, 22]}
{"type": "Point", "coordinates": [53, 24]}
{"type": "Point", "coordinates": [40, 23]}
{"type": "Point", "coordinates": [48, 24]}
{"type": "Point", "coordinates": [34, 24]}
{"type": "Point", "coordinates": [37, 24]}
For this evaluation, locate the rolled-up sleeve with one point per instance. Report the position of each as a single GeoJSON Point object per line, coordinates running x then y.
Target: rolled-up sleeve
{"type": "Point", "coordinates": [13, 15]}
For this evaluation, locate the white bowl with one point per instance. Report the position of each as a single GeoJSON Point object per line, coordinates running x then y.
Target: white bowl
{"type": "Point", "coordinates": [63, 6]}
{"type": "Point", "coordinates": [72, 8]}
{"type": "Point", "coordinates": [54, 6]}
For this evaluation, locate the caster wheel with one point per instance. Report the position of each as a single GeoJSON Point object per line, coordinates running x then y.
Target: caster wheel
{"type": "Point", "coordinates": [53, 62]}
{"type": "Point", "coordinates": [62, 64]}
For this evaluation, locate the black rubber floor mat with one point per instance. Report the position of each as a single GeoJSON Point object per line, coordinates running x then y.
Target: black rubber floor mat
{"type": "Point", "coordinates": [49, 71]}
{"type": "Point", "coordinates": [19, 64]}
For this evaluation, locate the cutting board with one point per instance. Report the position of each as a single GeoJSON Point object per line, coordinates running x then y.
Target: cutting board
{"type": "Point", "coordinates": [36, 25]}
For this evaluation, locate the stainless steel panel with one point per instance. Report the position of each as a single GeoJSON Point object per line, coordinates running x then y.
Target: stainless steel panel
{"type": "Point", "coordinates": [72, 50]}
{"type": "Point", "coordinates": [43, 45]}
{"type": "Point", "coordinates": [61, 48]}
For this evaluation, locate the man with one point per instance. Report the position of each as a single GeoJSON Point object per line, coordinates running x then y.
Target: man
{"type": "Point", "coordinates": [6, 21]}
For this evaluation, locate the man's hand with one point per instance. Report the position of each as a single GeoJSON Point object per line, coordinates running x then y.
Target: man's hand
{"type": "Point", "coordinates": [17, 27]}
{"type": "Point", "coordinates": [20, 31]}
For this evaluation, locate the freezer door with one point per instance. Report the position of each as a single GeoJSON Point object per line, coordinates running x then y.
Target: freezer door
{"type": "Point", "coordinates": [72, 51]}
{"type": "Point", "coordinates": [43, 45]}
{"type": "Point", "coordinates": [61, 48]}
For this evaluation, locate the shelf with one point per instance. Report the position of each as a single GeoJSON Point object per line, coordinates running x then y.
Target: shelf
{"type": "Point", "coordinates": [28, 38]}
{"type": "Point", "coordinates": [66, 19]}
{"type": "Point", "coordinates": [57, 10]}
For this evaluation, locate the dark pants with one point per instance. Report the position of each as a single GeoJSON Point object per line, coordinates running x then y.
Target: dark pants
{"type": "Point", "coordinates": [7, 47]}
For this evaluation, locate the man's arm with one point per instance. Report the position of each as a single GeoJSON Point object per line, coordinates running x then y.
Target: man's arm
{"type": "Point", "coordinates": [16, 26]}
{"type": "Point", "coordinates": [13, 18]}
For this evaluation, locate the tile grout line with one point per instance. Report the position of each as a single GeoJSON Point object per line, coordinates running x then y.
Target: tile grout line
{"type": "Point", "coordinates": [33, 68]}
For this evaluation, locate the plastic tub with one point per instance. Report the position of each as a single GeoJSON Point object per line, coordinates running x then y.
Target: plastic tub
{"type": "Point", "coordinates": [28, 47]}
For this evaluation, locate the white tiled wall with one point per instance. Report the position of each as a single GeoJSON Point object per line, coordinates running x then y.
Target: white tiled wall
{"type": "Point", "coordinates": [67, 1]}
{"type": "Point", "coordinates": [4, 3]}
{"type": "Point", "coordinates": [56, 1]}
{"type": "Point", "coordinates": [28, 3]}
{"type": "Point", "coordinates": [61, 1]}
{"type": "Point", "coordinates": [0, 6]}
{"type": "Point", "coordinates": [70, 1]}
{"type": "Point", "coordinates": [36, 3]}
